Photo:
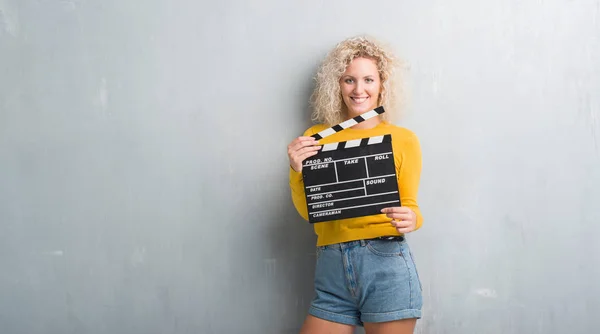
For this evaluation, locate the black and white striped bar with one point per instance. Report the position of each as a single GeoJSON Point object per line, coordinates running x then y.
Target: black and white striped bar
{"type": "Point", "coordinates": [351, 179]}
{"type": "Point", "coordinates": [349, 123]}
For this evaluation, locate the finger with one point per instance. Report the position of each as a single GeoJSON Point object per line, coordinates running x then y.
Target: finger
{"type": "Point", "coordinates": [402, 224]}
{"type": "Point", "coordinates": [302, 143]}
{"type": "Point", "coordinates": [303, 138]}
{"type": "Point", "coordinates": [405, 209]}
{"type": "Point", "coordinates": [399, 216]}
{"type": "Point", "coordinates": [396, 209]}
{"type": "Point", "coordinates": [305, 150]}
{"type": "Point", "coordinates": [405, 230]}
{"type": "Point", "coordinates": [292, 153]}
{"type": "Point", "coordinates": [299, 159]}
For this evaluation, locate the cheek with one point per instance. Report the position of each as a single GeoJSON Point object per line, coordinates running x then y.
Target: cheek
{"type": "Point", "coordinates": [377, 90]}
{"type": "Point", "coordinates": [374, 91]}
{"type": "Point", "coordinates": [345, 91]}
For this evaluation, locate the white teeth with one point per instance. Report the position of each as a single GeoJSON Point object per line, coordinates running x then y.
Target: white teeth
{"type": "Point", "coordinates": [359, 99]}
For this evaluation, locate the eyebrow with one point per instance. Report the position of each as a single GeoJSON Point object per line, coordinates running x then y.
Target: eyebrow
{"type": "Point", "coordinates": [353, 77]}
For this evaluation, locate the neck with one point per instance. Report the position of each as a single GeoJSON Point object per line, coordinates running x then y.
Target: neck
{"type": "Point", "coordinates": [368, 124]}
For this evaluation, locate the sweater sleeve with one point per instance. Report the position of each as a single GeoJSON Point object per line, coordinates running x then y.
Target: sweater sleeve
{"type": "Point", "coordinates": [297, 186]}
{"type": "Point", "coordinates": [298, 197]}
{"type": "Point", "coordinates": [409, 174]}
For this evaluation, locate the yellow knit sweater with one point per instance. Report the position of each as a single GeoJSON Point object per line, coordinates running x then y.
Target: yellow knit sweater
{"type": "Point", "coordinates": [407, 156]}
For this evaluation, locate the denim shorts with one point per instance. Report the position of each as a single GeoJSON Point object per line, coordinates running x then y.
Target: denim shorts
{"type": "Point", "coordinates": [366, 281]}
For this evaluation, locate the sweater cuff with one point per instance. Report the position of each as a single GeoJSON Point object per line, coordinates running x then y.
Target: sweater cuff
{"type": "Point", "coordinates": [295, 177]}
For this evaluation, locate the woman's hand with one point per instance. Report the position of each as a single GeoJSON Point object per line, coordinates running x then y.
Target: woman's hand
{"type": "Point", "coordinates": [300, 149]}
{"type": "Point", "coordinates": [404, 219]}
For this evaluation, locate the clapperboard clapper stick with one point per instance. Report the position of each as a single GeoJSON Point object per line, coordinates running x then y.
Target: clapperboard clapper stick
{"type": "Point", "coordinates": [350, 179]}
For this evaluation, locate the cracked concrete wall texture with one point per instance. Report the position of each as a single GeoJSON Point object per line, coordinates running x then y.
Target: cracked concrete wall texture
{"type": "Point", "coordinates": [143, 168]}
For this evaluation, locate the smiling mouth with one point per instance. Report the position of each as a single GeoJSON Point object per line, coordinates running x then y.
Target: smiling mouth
{"type": "Point", "coordinates": [359, 100]}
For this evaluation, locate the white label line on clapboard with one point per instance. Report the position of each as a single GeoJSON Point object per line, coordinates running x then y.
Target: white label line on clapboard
{"type": "Point", "coordinates": [352, 207]}
{"type": "Point", "coordinates": [353, 180]}
{"type": "Point", "coordinates": [337, 191]}
{"type": "Point", "coordinates": [356, 157]}
{"type": "Point", "coordinates": [336, 173]}
{"type": "Point", "coordinates": [355, 197]}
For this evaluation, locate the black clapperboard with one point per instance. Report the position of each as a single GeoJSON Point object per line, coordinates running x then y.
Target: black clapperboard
{"type": "Point", "coordinates": [350, 179]}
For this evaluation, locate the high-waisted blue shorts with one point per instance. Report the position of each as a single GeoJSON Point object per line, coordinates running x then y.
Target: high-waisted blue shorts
{"type": "Point", "coordinates": [366, 281]}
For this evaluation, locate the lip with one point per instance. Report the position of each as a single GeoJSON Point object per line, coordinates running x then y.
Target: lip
{"type": "Point", "coordinates": [353, 98]}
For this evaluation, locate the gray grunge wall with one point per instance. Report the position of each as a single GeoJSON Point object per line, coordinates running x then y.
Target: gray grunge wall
{"type": "Point", "coordinates": [143, 167]}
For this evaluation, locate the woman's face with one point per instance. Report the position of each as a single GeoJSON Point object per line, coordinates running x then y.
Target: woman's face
{"type": "Point", "coordinates": [360, 85]}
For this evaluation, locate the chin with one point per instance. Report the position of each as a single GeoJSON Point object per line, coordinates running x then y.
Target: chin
{"type": "Point", "coordinates": [360, 110]}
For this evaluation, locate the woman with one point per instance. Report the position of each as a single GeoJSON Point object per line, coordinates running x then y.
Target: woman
{"type": "Point", "coordinates": [365, 273]}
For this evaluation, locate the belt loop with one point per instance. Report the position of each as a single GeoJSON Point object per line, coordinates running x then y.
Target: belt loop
{"type": "Point", "coordinates": [363, 242]}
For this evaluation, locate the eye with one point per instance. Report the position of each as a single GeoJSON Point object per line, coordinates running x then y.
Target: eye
{"type": "Point", "coordinates": [369, 80]}
{"type": "Point", "coordinates": [348, 81]}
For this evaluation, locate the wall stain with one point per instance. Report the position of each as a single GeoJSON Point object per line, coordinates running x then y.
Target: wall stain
{"type": "Point", "coordinates": [9, 20]}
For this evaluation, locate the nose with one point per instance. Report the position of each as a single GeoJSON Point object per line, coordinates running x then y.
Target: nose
{"type": "Point", "coordinates": [358, 88]}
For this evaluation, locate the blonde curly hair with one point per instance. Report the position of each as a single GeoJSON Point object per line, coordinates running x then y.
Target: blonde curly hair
{"type": "Point", "coordinates": [326, 99]}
